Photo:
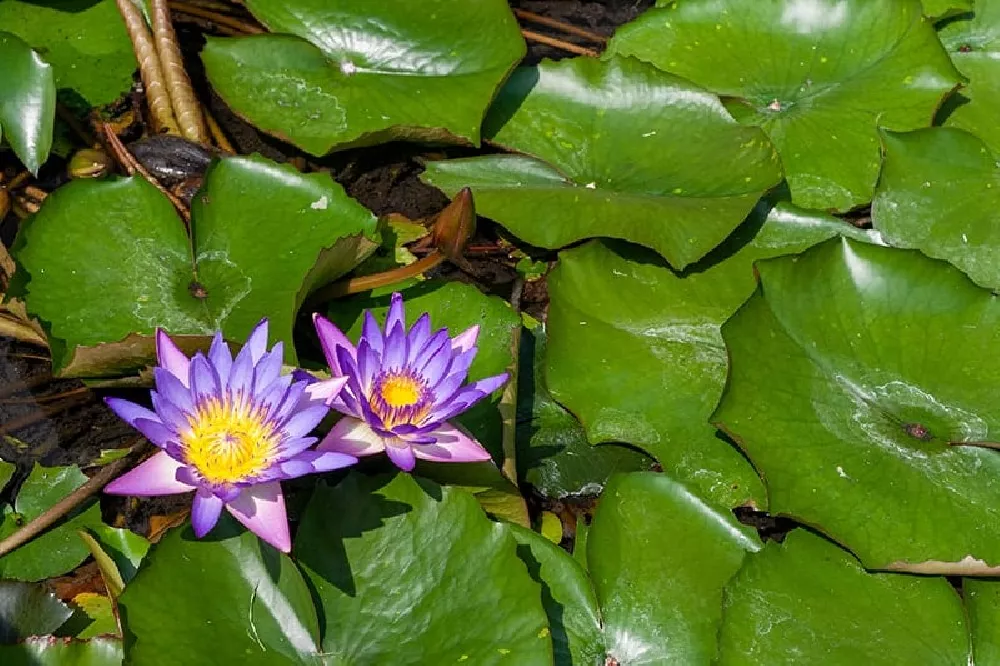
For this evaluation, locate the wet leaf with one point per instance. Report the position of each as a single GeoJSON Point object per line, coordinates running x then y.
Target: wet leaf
{"type": "Point", "coordinates": [228, 594]}
{"type": "Point", "coordinates": [84, 40]}
{"type": "Point", "coordinates": [363, 73]}
{"type": "Point", "coordinates": [847, 394]}
{"type": "Point", "coordinates": [807, 601]}
{"type": "Point", "coordinates": [416, 574]}
{"type": "Point", "coordinates": [607, 152]}
{"type": "Point", "coordinates": [818, 77]}
{"type": "Point", "coordinates": [28, 609]}
{"type": "Point", "coordinates": [52, 651]}
{"type": "Point", "coordinates": [129, 267]}
{"type": "Point", "coordinates": [982, 601]}
{"type": "Point", "coordinates": [937, 9]}
{"type": "Point", "coordinates": [938, 193]}
{"type": "Point", "coordinates": [27, 101]}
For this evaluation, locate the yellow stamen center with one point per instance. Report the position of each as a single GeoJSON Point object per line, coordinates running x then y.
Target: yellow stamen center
{"type": "Point", "coordinates": [229, 441]}
{"type": "Point", "coordinates": [401, 391]}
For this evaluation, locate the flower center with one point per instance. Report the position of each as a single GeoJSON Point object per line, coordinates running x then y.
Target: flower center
{"type": "Point", "coordinates": [400, 391]}
{"type": "Point", "coordinates": [400, 398]}
{"type": "Point", "coordinates": [229, 441]}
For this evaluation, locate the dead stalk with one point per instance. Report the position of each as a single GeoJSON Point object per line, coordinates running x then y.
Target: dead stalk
{"type": "Point", "coordinates": [217, 18]}
{"type": "Point", "coordinates": [218, 136]}
{"type": "Point", "coordinates": [366, 282]}
{"type": "Point", "coordinates": [568, 28]}
{"type": "Point", "coordinates": [532, 36]}
{"type": "Point", "coordinates": [150, 67]}
{"type": "Point", "coordinates": [13, 425]}
{"type": "Point", "coordinates": [74, 124]}
{"type": "Point", "coordinates": [182, 98]}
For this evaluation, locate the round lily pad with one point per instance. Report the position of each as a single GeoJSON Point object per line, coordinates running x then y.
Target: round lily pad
{"type": "Point", "coordinates": [818, 77]}
{"type": "Point", "coordinates": [856, 374]}
{"type": "Point", "coordinates": [607, 151]}
{"type": "Point", "coordinates": [27, 101]}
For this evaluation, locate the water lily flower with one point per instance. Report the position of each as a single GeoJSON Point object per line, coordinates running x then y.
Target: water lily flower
{"type": "Point", "coordinates": [230, 430]}
{"type": "Point", "coordinates": [402, 387]}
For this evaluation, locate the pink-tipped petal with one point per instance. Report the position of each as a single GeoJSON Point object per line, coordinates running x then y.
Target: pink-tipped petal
{"type": "Point", "coordinates": [156, 476]}
{"type": "Point", "coordinates": [326, 390]}
{"type": "Point", "coordinates": [401, 455]}
{"type": "Point", "coordinates": [452, 445]}
{"type": "Point", "coordinates": [331, 337]}
{"type": "Point", "coordinates": [261, 509]}
{"type": "Point", "coordinates": [353, 437]}
{"type": "Point", "coordinates": [205, 512]}
{"type": "Point", "coordinates": [170, 357]}
{"type": "Point", "coordinates": [466, 340]}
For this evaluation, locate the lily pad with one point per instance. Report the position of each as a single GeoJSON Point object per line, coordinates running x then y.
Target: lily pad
{"type": "Point", "coordinates": [414, 573]}
{"type": "Point", "coordinates": [819, 78]}
{"type": "Point", "coordinates": [231, 594]}
{"type": "Point", "coordinates": [973, 42]}
{"type": "Point", "coordinates": [6, 472]}
{"type": "Point", "coordinates": [52, 651]}
{"type": "Point", "coordinates": [807, 601]}
{"type": "Point", "coordinates": [938, 9]}
{"type": "Point", "coordinates": [362, 73]}
{"type": "Point", "coordinates": [28, 609]}
{"type": "Point", "coordinates": [263, 235]}
{"type": "Point", "coordinates": [938, 193]}
{"type": "Point", "coordinates": [636, 353]}
{"type": "Point", "coordinates": [84, 40]}
{"type": "Point", "coordinates": [553, 452]}
{"type": "Point", "coordinates": [27, 101]}
{"type": "Point", "coordinates": [608, 152]}
{"type": "Point", "coordinates": [982, 601]}
{"type": "Point", "coordinates": [854, 371]}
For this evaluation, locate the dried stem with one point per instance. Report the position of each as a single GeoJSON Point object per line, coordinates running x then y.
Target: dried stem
{"type": "Point", "coordinates": [530, 35]}
{"type": "Point", "coordinates": [367, 282]}
{"type": "Point", "coordinates": [18, 180]}
{"type": "Point", "coordinates": [26, 385]}
{"type": "Point", "coordinates": [568, 28]}
{"type": "Point", "coordinates": [150, 67]}
{"type": "Point", "coordinates": [508, 401]}
{"type": "Point", "coordinates": [46, 398]}
{"type": "Point", "coordinates": [182, 98]}
{"type": "Point", "coordinates": [74, 124]}
{"type": "Point", "coordinates": [13, 425]}
{"type": "Point", "coordinates": [64, 506]}
{"type": "Point", "coordinates": [231, 22]}
{"type": "Point", "coordinates": [218, 136]}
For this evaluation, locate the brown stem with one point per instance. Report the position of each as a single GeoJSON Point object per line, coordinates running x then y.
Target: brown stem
{"type": "Point", "coordinates": [182, 98]}
{"type": "Point", "coordinates": [25, 385]}
{"type": "Point", "coordinates": [508, 401]}
{"type": "Point", "coordinates": [217, 134]}
{"type": "Point", "coordinates": [560, 25]}
{"type": "Point", "coordinates": [34, 417]}
{"type": "Point", "coordinates": [64, 506]}
{"type": "Point", "coordinates": [533, 36]}
{"type": "Point", "coordinates": [217, 18]}
{"type": "Point", "coordinates": [74, 124]}
{"type": "Point", "coordinates": [46, 398]}
{"type": "Point", "coordinates": [18, 180]}
{"type": "Point", "coordinates": [981, 445]}
{"type": "Point", "coordinates": [149, 66]}
{"type": "Point", "coordinates": [366, 282]}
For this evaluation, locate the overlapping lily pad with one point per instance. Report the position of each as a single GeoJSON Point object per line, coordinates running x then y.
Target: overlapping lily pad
{"type": "Point", "coordinates": [939, 193]}
{"type": "Point", "coordinates": [408, 572]}
{"type": "Point", "coordinates": [850, 394]}
{"type": "Point", "coordinates": [84, 40]}
{"type": "Point", "coordinates": [937, 9]}
{"type": "Point", "coordinates": [104, 260]}
{"type": "Point", "coordinates": [27, 101]}
{"type": "Point", "coordinates": [807, 601]}
{"type": "Point", "coordinates": [52, 651]}
{"type": "Point", "coordinates": [636, 353]}
{"type": "Point", "coordinates": [819, 77]}
{"type": "Point", "coordinates": [361, 73]}
{"type": "Point", "coordinates": [973, 42]}
{"type": "Point", "coordinates": [609, 150]}
{"type": "Point", "coordinates": [28, 609]}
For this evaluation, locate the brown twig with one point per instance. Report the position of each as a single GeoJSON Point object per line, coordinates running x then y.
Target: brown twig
{"type": "Point", "coordinates": [74, 124]}
{"type": "Point", "coordinates": [533, 36]}
{"type": "Point", "coordinates": [18, 180]}
{"type": "Point", "coordinates": [231, 22]}
{"type": "Point", "coordinates": [13, 425]}
{"type": "Point", "coordinates": [26, 384]}
{"type": "Point", "coordinates": [46, 398]}
{"type": "Point", "coordinates": [149, 66]}
{"type": "Point", "coordinates": [366, 282]}
{"type": "Point", "coordinates": [568, 28]}
{"type": "Point", "coordinates": [185, 105]}
{"type": "Point", "coordinates": [64, 506]}
{"type": "Point", "coordinates": [218, 135]}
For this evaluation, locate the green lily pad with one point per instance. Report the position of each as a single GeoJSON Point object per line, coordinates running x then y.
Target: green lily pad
{"type": "Point", "coordinates": [807, 601]}
{"type": "Point", "coordinates": [937, 9]}
{"type": "Point", "coordinates": [819, 79]}
{"type": "Point", "coordinates": [229, 594]}
{"type": "Point", "coordinates": [636, 353]}
{"type": "Point", "coordinates": [973, 42]}
{"type": "Point", "coordinates": [595, 166]}
{"type": "Point", "coordinates": [84, 40]}
{"type": "Point", "coordinates": [408, 572]}
{"type": "Point", "coordinates": [938, 193]}
{"type": "Point", "coordinates": [659, 557]}
{"type": "Point", "coordinates": [553, 452]}
{"type": "Point", "coordinates": [51, 651]}
{"type": "Point", "coordinates": [28, 609]}
{"type": "Point", "coordinates": [568, 597]}
{"type": "Point", "coordinates": [362, 73]}
{"type": "Point", "coordinates": [982, 601]}
{"type": "Point", "coordinates": [27, 101]}
{"type": "Point", "coordinates": [852, 370]}
{"type": "Point", "coordinates": [263, 236]}
{"type": "Point", "coordinates": [6, 472]}
{"type": "Point", "coordinates": [96, 614]}
{"type": "Point", "coordinates": [58, 549]}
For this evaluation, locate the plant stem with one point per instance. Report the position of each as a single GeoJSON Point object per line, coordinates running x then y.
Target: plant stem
{"type": "Point", "coordinates": [220, 19]}
{"type": "Point", "coordinates": [149, 66]}
{"type": "Point", "coordinates": [367, 282]}
{"type": "Point", "coordinates": [217, 134]}
{"type": "Point", "coordinates": [508, 402]}
{"type": "Point", "coordinates": [533, 36]}
{"type": "Point", "coordinates": [559, 25]}
{"type": "Point", "coordinates": [34, 417]}
{"type": "Point", "coordinates": [182, 99]}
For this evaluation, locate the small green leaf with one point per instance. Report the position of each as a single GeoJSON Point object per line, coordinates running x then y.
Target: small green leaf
{"type": "Point", "coordinates": [819, 78]}
{"type": "Point", "coordinates": [414, 573]}
{"type": "Point", "coordinates": [608, 152]}
{"type": "Point", "coordinates": [362, 73]}
{"type": "Point", "coordinates": [98, 612]}
{"type": "Point", "coordinates": [27, 101]}
{"type": "Point", "coordinates": [28, 609]}
{"type": "Point", "coordinates": [806, 601]}
{"type": "Point", "coordinates": [52, 651]}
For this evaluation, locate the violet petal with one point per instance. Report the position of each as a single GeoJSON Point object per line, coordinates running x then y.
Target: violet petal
{"type": "Point", "coordinates": [155, 476]}
{"type": "Point", "coordinates": [261, 509]}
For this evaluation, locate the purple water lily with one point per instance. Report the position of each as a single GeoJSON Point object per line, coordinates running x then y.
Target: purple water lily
{"type": "Point", "coordinates": [230, 430]}
{"type": "Point", "coordinates": [402, 387]}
